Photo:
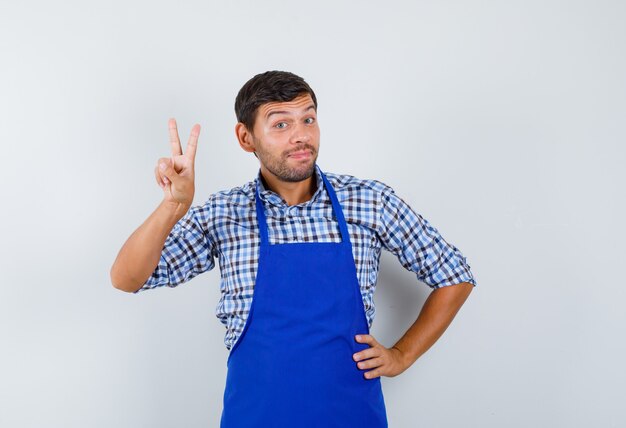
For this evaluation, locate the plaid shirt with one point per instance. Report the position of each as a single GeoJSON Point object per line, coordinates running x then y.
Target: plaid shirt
{"type": "Point", "coordinates": [225, 226]}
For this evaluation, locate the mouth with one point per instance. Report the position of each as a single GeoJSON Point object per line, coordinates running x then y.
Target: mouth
{"type": "Point", "coordinates": [301, 154]}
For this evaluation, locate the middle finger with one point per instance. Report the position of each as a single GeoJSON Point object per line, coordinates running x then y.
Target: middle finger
{"type": "Point", "coordinates": [371, 363]}
{"type": "Point", "coordinates": [365, 354]}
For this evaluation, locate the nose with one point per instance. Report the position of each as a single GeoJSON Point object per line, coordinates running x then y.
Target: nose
{"type": "Point", "coordinates": [300, 134]}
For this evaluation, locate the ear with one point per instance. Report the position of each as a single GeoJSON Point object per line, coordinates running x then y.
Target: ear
{"type": "Point", "coordinates": [244, 137]}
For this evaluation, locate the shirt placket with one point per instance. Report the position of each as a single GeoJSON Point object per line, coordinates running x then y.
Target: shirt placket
{"type": "Point", "coordinates": [292, 214]}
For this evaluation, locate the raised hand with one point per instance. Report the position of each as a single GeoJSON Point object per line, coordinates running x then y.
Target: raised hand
{"type": "Point", "coordinates": [175, 175]}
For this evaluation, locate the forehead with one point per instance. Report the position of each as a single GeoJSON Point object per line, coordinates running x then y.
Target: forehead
{"type": "Point", "coordinates": [297, 105]}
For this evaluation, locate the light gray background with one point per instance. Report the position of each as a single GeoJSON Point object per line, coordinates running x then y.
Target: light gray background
{"type": "Point", "coordinates": [502, 123]}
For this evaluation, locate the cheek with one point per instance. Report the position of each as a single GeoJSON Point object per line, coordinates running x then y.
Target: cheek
{"type": "Point", "coordinates": [274, 147]}
{"type": "Point", "coordinates": [276, 140]}
{"type": "Point", "coordinates": [316, 134]}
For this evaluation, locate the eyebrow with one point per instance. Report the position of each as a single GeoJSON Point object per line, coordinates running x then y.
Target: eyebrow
{"type": "Point", "coordinates": [312, 106]}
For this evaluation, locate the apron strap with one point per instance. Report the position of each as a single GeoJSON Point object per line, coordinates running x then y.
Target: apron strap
{"type": "Point", "coordinates": [260, 213]}
{"type": "Point", "coordinates": [345, 236]}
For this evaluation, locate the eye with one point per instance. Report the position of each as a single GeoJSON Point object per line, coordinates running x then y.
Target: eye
{"type": "Point", "coordinates": [281, 125]}
{"type": "Point", "coordinates": [309, 120]}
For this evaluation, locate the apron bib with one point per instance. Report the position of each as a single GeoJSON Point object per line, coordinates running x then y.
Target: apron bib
{"type": "Point", "coordinates": [292, 365]}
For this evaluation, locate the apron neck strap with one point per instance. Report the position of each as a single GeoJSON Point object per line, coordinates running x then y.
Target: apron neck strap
{"type": "Point", "coordinates": [260, 213]}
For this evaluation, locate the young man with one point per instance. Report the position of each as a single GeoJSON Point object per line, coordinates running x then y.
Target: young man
{"type": "Point", "coordinates": [298, 251]}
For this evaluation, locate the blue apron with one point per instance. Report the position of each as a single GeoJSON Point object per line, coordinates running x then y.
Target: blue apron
{"type": "Point", "coordinates": [292, 365]}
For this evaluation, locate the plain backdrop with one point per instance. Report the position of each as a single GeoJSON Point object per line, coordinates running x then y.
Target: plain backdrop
{"type": "Point", "coordinates": [502, 123]}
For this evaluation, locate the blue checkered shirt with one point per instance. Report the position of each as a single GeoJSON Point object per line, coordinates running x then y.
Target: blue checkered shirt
{"type": "Point", "coordinates": [225, 227]}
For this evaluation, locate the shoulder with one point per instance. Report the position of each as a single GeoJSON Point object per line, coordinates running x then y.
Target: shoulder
{"type": "Point", "coordinates": [223, 202]}
{"type": "Point", "coordinates": [346, 183]}
{"type": "Point", "coordinates": [363, 199]}
{"type": "Point", "coordinates": [237, 196]}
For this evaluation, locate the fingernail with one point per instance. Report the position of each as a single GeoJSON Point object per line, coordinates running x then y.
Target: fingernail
{"type": "Point", "coordinates": [162, 166]}
{"type": "Point", "coordinates": [358, 337]}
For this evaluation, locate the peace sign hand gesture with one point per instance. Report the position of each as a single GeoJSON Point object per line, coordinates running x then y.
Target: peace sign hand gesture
{"type": "Point", "coordinates": [175, 175]}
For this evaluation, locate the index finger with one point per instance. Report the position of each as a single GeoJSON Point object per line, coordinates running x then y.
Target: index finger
{"type": "Point", "coordinates": [174, 140]}
{"type": "Point", "coordinates": [192, 144]}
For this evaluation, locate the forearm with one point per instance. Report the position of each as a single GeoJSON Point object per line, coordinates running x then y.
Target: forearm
{"type": "Point", "coordinates": [438, 311]}
{"type": "Point", "coordinates": [140, 254]}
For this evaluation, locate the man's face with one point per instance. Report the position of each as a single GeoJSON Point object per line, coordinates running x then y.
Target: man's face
{"type": "Point", "coordinates": [286, 138]}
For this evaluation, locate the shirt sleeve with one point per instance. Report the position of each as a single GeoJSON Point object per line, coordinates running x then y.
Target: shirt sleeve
{"type": "Point", "coordinates": [419, 246]}
{"type": "Point", "coordinates": [187, 252]}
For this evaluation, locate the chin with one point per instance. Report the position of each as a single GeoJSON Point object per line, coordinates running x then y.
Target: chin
{"type": "Point", "coordinates": [300, 174]}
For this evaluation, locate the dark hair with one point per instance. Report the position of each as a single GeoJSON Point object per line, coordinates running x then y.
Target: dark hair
{"type": "Point", "coordinates": [270, 86]}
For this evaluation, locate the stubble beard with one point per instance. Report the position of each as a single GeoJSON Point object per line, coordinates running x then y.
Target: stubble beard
{"type": "Point", "coordinates": [280, 168]}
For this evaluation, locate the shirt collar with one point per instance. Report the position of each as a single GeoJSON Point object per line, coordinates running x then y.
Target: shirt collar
{"type": "Point", "coordinates": [268, 195]}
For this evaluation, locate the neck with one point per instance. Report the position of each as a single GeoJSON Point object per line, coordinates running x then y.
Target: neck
{"type": "Point", "coordinates": [292, 192]}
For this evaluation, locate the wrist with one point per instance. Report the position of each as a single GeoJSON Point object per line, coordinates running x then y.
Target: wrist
{"type": "Point", "coordinates": [173, 210]}
{"type": "Point", "coordinates": [405, 357]}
